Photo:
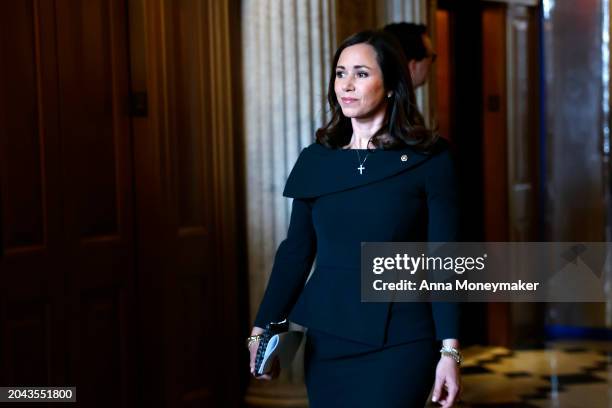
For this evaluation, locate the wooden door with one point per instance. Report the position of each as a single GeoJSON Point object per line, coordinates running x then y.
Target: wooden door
{"type": "Point", "coordinates": [186, 172]}
{"type": "Point", "coordinates": [97, 196]}
{"type": "Point", "coordinates": [119, 255]}
{"type": "Point", "coordinates": [67, 268]}
{"type": "Point", "coordinates": [510, 145]}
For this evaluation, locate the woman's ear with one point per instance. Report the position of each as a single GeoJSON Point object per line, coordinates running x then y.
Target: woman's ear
{"type": "Point", "coordinates": [412, 67]}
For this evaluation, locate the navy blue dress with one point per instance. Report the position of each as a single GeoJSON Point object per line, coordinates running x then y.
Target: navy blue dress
{"type": "Point", "coordinates": [362, 354]}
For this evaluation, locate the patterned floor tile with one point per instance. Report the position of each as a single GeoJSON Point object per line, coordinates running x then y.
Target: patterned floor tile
{"type": "Point", "coordinates": [563, 375]}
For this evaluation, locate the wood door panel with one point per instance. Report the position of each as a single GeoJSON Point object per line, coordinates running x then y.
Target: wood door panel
{"type": "Point", "coordinates": [25, 342]}
{"type": "Point", "coordinates": [189, 112]}
{"type": "Point", "coordinates": [88, 66]}
{"type": "Point", "coordinates": [100, 369]}
{"type": "Point", "coordinates": [495, 163]}
{"type": "Point", "coordinates": [93, 73]}
{"type": "Point", "coordinates": [193, 306]}
{"type": "Point", "coordinates": [32, 308]}
{"type": "Point", "coordinates": [22, 182]}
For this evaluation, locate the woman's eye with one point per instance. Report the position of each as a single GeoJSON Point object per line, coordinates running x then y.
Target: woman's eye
{"type": "Point", "coordinates": [362, 75]}
{"type": "Point", "coordinates": [339, 74]}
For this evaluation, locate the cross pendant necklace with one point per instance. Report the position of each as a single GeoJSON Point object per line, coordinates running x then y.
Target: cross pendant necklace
{"type": "Point", "coordinates": [361, 168]}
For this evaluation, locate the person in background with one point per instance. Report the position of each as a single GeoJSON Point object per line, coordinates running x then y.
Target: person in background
{"type": "Point", "coordinates": [417, 48]}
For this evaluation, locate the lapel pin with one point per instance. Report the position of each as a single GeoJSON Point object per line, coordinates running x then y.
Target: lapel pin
{"type": "Point", "coordinates": [404, 157]}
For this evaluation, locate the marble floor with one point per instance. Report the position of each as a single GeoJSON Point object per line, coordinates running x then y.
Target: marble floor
{"type": "Point", "coordinates": [564, 374]}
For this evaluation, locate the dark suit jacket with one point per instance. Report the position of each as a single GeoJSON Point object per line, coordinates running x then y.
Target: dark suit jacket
{"type": "Point", "coordinates": [402, 195]}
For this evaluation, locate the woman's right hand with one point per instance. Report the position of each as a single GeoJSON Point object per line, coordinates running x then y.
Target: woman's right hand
{"type": "Point", "coordinates": [253, 353]}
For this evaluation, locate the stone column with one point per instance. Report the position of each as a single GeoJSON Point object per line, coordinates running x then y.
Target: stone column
{"type": "Point", "coordinates": [287, 51]}
{"type": "Point", "coordinates": [411, 11]}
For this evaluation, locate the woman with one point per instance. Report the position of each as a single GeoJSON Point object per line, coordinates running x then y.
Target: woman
{"type": "Point", "coordinates": [375, 174]}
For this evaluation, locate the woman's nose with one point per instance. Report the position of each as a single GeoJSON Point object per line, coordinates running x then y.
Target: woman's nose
{"type": "Point", "coordinates": [347, 85]}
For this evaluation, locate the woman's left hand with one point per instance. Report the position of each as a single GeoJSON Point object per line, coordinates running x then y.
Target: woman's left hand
{"type": "Point", "coordinates": [448, 382]}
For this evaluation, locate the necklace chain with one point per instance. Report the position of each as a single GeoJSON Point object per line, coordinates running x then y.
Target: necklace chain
{"type": "Point", "coordinates": [361, 168]}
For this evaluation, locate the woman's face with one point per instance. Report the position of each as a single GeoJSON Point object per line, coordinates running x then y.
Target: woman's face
{"type": "Point", "coordinates": [359, 83]}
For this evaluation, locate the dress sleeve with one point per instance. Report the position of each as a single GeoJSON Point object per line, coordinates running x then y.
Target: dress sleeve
{"type": "Point", "coordinates": [443, 226]}
{"type": "Point", "coordinates": [292, 263]}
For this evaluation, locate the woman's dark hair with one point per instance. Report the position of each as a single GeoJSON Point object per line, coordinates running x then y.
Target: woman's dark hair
{"type": "Point", "coordinates": [403, 125]}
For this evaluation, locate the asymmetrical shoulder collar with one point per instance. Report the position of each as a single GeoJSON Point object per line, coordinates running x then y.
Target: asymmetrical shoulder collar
{"type": "Point", "coordinates": [320, 170]}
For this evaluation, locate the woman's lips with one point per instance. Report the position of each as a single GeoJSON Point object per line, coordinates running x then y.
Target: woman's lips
{"type": "Point", "coordinates": [348, 101]}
